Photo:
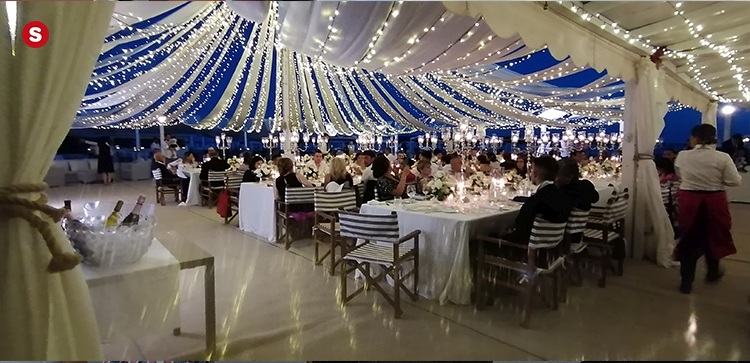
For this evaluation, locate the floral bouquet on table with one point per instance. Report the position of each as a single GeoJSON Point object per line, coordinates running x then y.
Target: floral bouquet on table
{"type": "Point", "coordinates": [440, 186]}
{"type": "Point", "coordinates": [327, 158]}
{"type": "Point", "coordinates": [310, 173]}
{"type": "Point", "coordinates": [264, 171]}
{"type": "Point", "coordinates": [353, 169]}
{"type": "Point", "coordinates": [234, 163]}
{"type": "Point", "coordinates": [478, 182]}
{"type": "Point", "coordinates": [513, 178]}
{"type": "Point", "coordinates": [590, 170]}
{"type": "Point", "coordinates": [609, 167]}
{"type": "Point", "coordinates": [306, 159]}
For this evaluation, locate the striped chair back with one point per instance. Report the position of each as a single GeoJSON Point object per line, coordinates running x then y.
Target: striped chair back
{"type": "Point", "coordinates": [577, 221]}
{"type": "Point", "coordinates": [546, 234]}
{"type": "Point", "coordinates": [216, 176]}
{"type": "Point", "coordinates": [233, 180]}
{"type": "Point", "coordinates": [666, 193]}
{"type": "Point", "coordinates": [615, 210]}
{"type": "Point", "coordinates": [372, 227]}
{"type": "Point", "coordinates": [157, 174]}
{"type": "Point", "coordinates": [299, 195]}
{"type": "Point", "coordinates": [335, 201]}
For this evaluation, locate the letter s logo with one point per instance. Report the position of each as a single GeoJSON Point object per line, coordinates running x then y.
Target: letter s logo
{"type": "Point", "coordinates": [35, 34]}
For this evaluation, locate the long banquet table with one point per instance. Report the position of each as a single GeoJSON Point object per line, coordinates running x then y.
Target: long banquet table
{"type": "Point", "coordinates": [444, 264]}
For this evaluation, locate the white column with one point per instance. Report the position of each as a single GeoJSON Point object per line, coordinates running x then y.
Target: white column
{"type": "Point", "coordinates": [161, 134]}
{"type": "Point", "coordinates": [286, 117]}
{"type": "Point", "coordinates": [244, 133]}
{"type": "Point", "coordinates": [138, 139]}
{"type": "Point", "coordinates": [727, 127]}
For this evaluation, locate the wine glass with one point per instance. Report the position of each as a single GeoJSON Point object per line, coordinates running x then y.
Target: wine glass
{"type": "Point", "coordinates": [411, 190]}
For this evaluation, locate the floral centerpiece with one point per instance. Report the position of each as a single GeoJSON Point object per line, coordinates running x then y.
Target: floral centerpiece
{"type": "Point", "coordinates": [590, 170]}
{"type": "Point", "coordinates": [306, 159]}
{"type": "Point", "coordinates": [327, 158]}
{"type": "Point", "coordinates": [440, 186]}
{"type": "Point", "coordinates": [234, 163]}
{"type": "Point", "coordinates": [478, 182]}
{"type": "Point", "coordinates": [513, 178]}
{"type": "Point", "coordinates": [310, 172]}
{"type": "Point", "coordinates": [609, 166]}
{"type": "Point", "coordinates": [264, 171]}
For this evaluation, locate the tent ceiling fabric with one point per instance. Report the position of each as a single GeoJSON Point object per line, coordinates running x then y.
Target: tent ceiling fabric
{"type": "Point", "coordinates": [342, 67]}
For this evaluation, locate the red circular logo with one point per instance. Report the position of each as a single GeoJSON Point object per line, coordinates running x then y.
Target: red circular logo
{"type": "Point", "coordinates": [35, 34]}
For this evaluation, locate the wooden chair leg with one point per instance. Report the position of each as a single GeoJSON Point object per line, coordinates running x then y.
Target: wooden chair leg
{"type": "Point", "coordinates": [528, 293]}
{"type": "Point", "coordinates": [416, 276]}
{"type": "Point", "coordinates": [556, 289]}
{"type": "Point", "coordinates": [606, 260]}
{"type": "Point", "coordinates": [563, 283]}
{"type": "Point", "coordinates": [343, 280]}
{"type": "Point", "coordinates": [332, 269]}
{"type": "Point", "coordinates": [397, 291]}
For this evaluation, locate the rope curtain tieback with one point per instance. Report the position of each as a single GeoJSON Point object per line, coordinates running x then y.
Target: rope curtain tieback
{"type": "Point", "coordinates": [639, 157]}
{"type": "Point", "coordinates": [13, 206]}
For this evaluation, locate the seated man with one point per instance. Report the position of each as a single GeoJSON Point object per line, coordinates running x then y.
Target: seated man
{"type": "Point", "coordinates": [215, 164]}
{"type": "Point", "coordinates": [582, 193]}
{"type": "Point", "coordinates": [167, 176]}
{"type": "Point", "coordinates": [549, 202]}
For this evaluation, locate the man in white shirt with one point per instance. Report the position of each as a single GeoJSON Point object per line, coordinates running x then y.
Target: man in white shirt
{"type": "Point", "coordinates": [368, 157]}
{"type": "Point", "coordinates": [318, 164]}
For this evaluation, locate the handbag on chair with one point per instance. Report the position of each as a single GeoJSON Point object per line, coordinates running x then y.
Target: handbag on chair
{"type": "Point", "coordinates": [222, 205]}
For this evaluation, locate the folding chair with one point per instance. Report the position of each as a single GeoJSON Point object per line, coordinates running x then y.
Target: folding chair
{"type": "Point", "coordinates": [232, 182]}
{"type": "Point", "coordinates": [605, 233]}
{"type": "Point", "coordinates": [326, 229]}
{"type": "Point", "coordinates": [543, 257]}
{"type": "Point", "coordinates": [292, 197]}
{"type": "Point", "coordinates": [572, 246]}
{"type": "Point", "coordinates": [164, 187]}
{"type": "Point", "coordinates": [211, 188]}
{"type": "Point", "coordinates": [382, 246]}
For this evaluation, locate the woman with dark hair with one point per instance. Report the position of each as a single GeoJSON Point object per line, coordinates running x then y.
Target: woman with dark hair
{"type": "Point", "coordinates": [388, 186]}
{"type": "Point", "coordinates": [105, 163]}
{"type": "Point", "coordinates": [288, 179]}
{"type": "Point", "coordinates": [252, 164]}
{"type": "Point", "coordinates": [703, 208]}
{"type": "Point", "coordinates": [522, 167]}
{"type": "Point", "coordinates": [665, 167]}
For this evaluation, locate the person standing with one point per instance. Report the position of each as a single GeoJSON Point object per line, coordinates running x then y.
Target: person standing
{"type": "Point", "coordinates": [703, 208]}
{"type": "Point", "coordinates": [105, 163]}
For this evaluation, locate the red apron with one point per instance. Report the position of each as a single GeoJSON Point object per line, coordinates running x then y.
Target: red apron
{"type": "Point", "coordinates": [718, 224]}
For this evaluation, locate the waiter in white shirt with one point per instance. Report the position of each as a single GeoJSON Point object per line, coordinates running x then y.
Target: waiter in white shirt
{"type": "Point", "coordinates": [705, 221]}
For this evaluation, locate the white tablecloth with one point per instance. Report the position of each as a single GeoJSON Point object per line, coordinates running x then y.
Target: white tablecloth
{"type": "Point", "coordinates": [194, 191]}
{"type": "Point", "coordinates": [136, 300]}
{"type": "Point", "coordinates": [257, 214]}
{"type": "Point", "coordinates": [444, 265]}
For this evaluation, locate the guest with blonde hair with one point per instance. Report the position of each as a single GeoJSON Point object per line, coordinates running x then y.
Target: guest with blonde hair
{"type": "Point", "coordinates": [338, 173]}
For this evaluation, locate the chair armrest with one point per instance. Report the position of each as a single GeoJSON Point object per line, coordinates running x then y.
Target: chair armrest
{"type": "Point", "coordinates": [326, 216]}
{"type": "Point", "coordinates": [409, 236]}
{"type": "Point", "coordinates": [502, 242]}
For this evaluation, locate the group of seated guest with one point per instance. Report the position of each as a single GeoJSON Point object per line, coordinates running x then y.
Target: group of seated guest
{"type": "Point", "coordinates": [559, 190]}
{"type": "Point", "coordinates": [178, 167]}
{"type": "Point", "coordinates": [388, 183]}
{"type": "Point", "coordinates": [215, 164]}
{"type": "Point", "coordinates": [338, 174]}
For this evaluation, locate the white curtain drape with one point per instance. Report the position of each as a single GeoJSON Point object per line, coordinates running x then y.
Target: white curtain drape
{"type": "Point", "coordinates": [648, 228]}
{"type": "Point", "coordinates": [709, 113]}
{"type": "Point", "coordinates": [43, 315]}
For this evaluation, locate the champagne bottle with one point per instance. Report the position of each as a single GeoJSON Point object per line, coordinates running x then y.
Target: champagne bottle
{"type": "Point", "coordinates": [134, 216]}
{"type": "Point", "coordinates": [114, 217]}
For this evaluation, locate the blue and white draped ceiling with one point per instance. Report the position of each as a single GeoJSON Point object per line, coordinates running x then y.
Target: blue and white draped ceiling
{"type": "Point", "coordinates": [341, 68]}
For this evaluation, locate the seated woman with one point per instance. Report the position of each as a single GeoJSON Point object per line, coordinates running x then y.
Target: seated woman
{"type": "Point", "coordinates": [521, 166]}
{"type": "Point", "coordinates": [254, 163]}
{"type": "Point", "coordinates": [288, 179]}
{"type": "Point", "coordinates": [387, 185]}
{"type": "Point", "coordinates": [247, 162]}
{"type": "Point", "coordinates": [424, 168]}
{"type": "Point", "coordinates": [484, 164]}
{"type": "Point", "coordinates": [338, 173]}
{"type": "Point", "coordinates": [665, 167]}
{"type": "Point", "coordinates": [178, 167]}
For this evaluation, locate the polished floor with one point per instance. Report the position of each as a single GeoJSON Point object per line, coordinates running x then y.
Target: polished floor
{"type": "Point", "coordinates": [274, 304]}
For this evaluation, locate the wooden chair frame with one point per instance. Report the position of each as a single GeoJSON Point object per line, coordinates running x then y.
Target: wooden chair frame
{"type": "Point", "coordinates": [607, 225]}
{"type": "Point", "coordinates": [394, 269]}
{"type": "Point", "coordinates": [530, 274]}
{"type": "Point", "coordinates": [209, 192]}
{"type": "Point", "coordinates": [283, 217]}
{"type": "Point", "coordinates": [163, 188]}
{"type": "Point", "coordinates": [232, 182]}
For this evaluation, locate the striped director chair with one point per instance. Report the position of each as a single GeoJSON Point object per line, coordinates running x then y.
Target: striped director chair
{"type": "Point", "coordinates": [605, 233]}
{"type": "Point", "coordinates": [232, 183]}
{"type": "Point", "coordinates": [326, 230]}
{"type": "Point", "coordinates": [292, 197]}
{"type": "Point", "coordinates": [391, 254]}
{"type": "Point", "coordinates": [211, 188]}
{"type": "Point", "coordinates": [165, 187]}
{"type": "Point", "coordinates": [543, 257]}
{"type": "Point", "coordinates": [573, 246]}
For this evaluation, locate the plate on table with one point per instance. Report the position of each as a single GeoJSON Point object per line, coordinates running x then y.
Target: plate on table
{"type": "Point", "coordinates": [445, 209]}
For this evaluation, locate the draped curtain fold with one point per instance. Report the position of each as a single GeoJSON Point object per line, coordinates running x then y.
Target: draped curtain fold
{"type": "Point", "coordinates": [648, 229]}
{"type": "Point", "coordinates": [43, 316]}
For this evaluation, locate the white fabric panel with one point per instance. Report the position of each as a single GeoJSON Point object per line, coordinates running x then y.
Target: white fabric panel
{"type": "Point", "coordinates": [709, 113]}
{"type": "Point", "coordinates": [562, 37]}
{"type": "Point", "coordinates": [44, 316]}
{"type": "Point", "coordinates": [685, 95]}
{"type": "Point", "coordinates": [254, 11]}
{"type": "Point", "coordinates": [648, 229]}
{"type": "Point", "coordinates": [257, 214]}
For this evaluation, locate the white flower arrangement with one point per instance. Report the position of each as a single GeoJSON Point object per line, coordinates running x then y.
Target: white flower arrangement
{"type": "Point", "coordinates": [609, 167]}
{"type": "Point", "coordinates": [513, 177]}
{"type": "Point", "coordinates": [264, 171]}
{"type": "Point", "coordinates": [234, 163]}
{"type": "Point", "coordinates": [310, 172]}
{"type": "Point", "coordinates": [327, 158]}
{"type": "Point", "coordinates": [306, 159]}
{"type": "Point", "coordinates": [477, 182]}
{"type": "Point", "coordinates": [441, 186]}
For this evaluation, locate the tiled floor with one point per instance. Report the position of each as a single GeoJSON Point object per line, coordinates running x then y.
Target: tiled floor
{"type": "Point", "coordinates": [276, 305]}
